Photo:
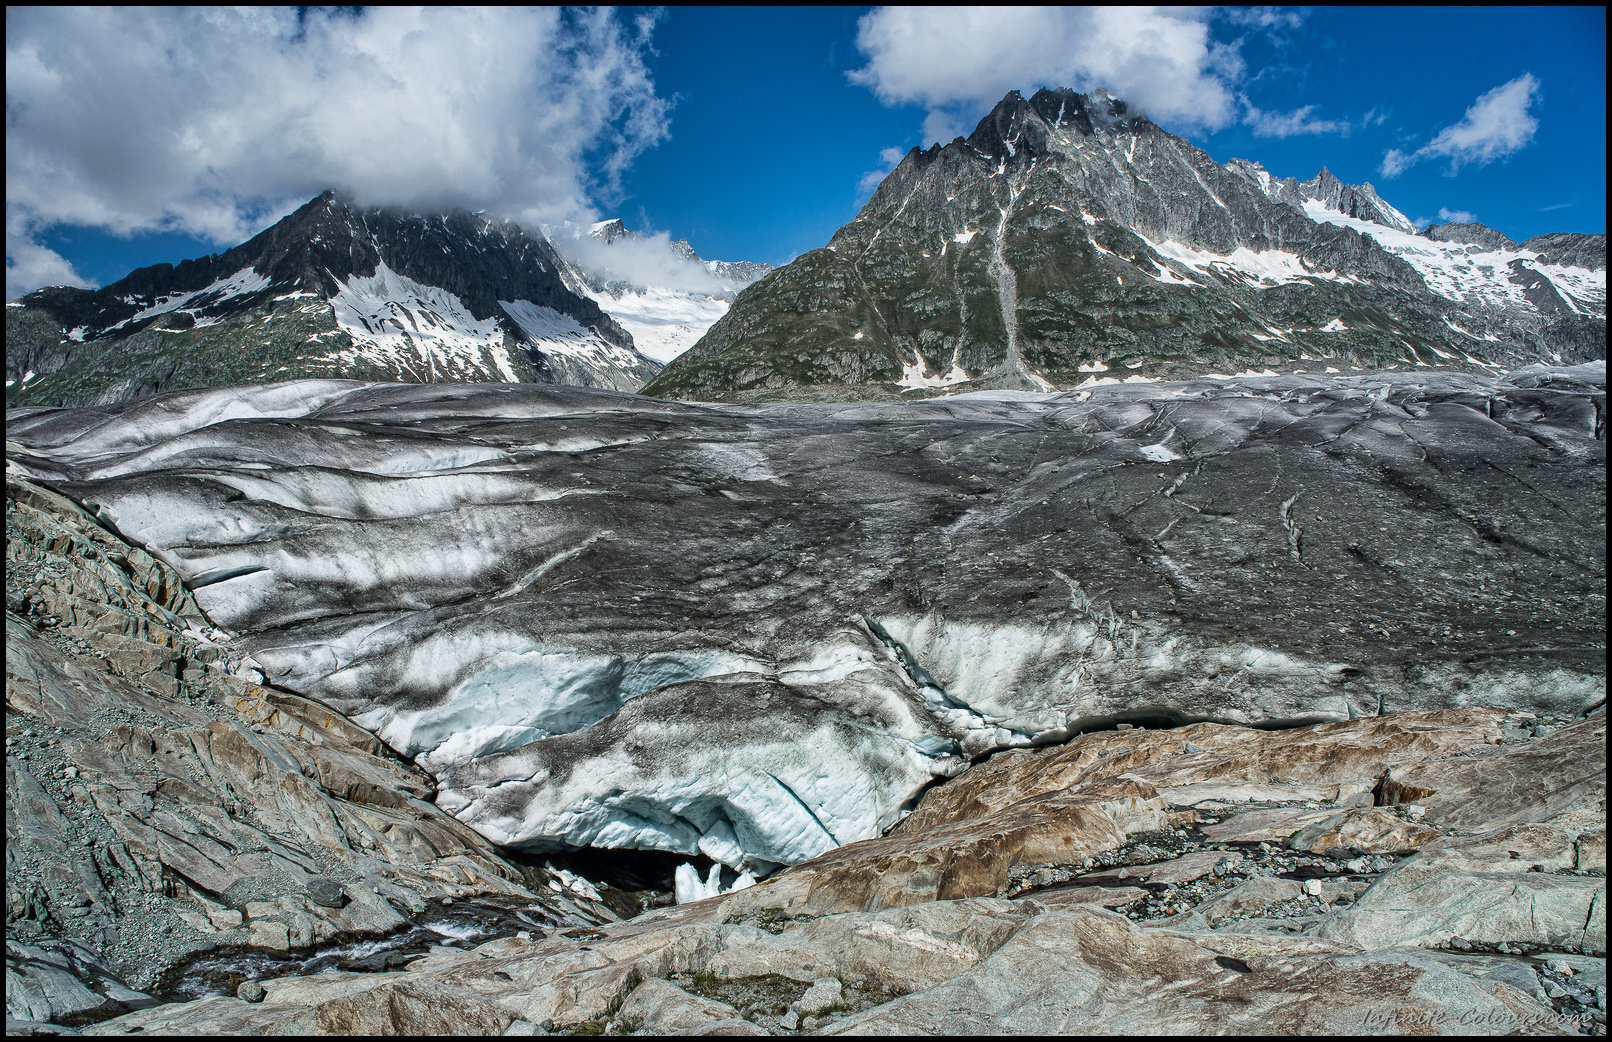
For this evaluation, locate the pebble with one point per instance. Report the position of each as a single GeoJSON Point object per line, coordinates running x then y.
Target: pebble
{"type": "Point", "coordinates": [250, 991]}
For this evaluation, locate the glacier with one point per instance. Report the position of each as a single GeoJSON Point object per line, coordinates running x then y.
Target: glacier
{"type": "Point", "coordinates": [755, 633]}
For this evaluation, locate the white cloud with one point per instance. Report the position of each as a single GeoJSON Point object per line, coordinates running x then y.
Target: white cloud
{"type": "Point", "coordinates": [958, 61]}
{"type": "Point", "coordinates": [1456, 216]}
{"type": "Point", "coordinates": [640, 260]}
{"type": "Point", "coordinates": [1497, 125]}
{"type": "Point", "coordinates": [30, 265]}
{"type": "Point", "coordinates": [1262, 17]}
{"type": "Point", "coordinates": [1299, 121]}
{"type": "Point", "coordinates": [215, 122]}
{"type": "Point", "coordinates": [942, 127]}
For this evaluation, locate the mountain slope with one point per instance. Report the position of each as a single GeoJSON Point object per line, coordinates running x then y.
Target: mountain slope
{"type": "Point", "coordinates": [331, 291]}
{"type": "Point", "coordinates": [661, 292]}
{"type": "Point", "coordinates": [1068, 237]}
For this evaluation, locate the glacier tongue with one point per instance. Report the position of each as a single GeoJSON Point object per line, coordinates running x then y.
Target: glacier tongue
{"type": "Point", "coordinates": [755, 633]}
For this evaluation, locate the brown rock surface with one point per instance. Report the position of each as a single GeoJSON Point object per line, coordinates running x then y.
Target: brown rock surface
{"type": "Point", "coordinates": [981, 966]}
{"type": "Point", "coordinates": [1561, 776]}
{"type": "Point", "coordinates": [1337, 759]}
{"type": "Point", "coordinates": [1022, 810]}
{"type": "Point", "coordinates": [1085, 971]}
{"type": "Point", "coordinates": [971, 857]}
{"type": "Point", "coordinates": [1370, 830]}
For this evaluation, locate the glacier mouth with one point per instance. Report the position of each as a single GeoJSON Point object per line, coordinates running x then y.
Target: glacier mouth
{"type": "Point", "coordinates": [757, 633]}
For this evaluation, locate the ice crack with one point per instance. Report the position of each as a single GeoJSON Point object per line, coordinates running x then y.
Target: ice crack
{"type": "Point", "coordinates": [949, 710]}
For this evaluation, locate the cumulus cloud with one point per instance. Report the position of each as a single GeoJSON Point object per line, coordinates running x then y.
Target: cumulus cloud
{"type": "Point", "coordinates": [1287, 124]}
{"type": "Point", "coordinates": [216, 122]}
{"type": "Point", "coordinates": [956, 61]}
{"type": "Point", "coordinates": [1498, 124]}
{"type": "Point", "coordinates": [1449, 216]}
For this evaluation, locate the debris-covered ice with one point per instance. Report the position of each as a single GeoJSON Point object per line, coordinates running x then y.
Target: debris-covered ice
{"type": "Point", "coordinates": [755, 633]}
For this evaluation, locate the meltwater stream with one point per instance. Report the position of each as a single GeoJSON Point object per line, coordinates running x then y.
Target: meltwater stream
{"type": "Point", "coordinates": [459, 924]}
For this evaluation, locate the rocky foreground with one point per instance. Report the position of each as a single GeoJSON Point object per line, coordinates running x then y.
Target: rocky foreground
{"type": "Point", "coordinates": [157, 804]}
{"type": "Point", "coordinates": [1337, 767]}
{"type": "Point", "coordinates": [1435, 870]}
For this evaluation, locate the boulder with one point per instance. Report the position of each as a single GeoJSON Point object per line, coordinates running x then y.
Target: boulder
{"type": "Point", "coordinates": [1427, 903]}
{"type": "Point", "coordinates": [1560, 778]}
{"type": "Point", "coordinates": [1248, 899]}
{"type": "Point", "coordinates": [661, 1008]}
{"type": "Point", "coordinates": [1366, 831]}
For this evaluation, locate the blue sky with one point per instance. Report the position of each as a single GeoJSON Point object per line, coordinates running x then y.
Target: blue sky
{"type": "Point", "coordinates": [135, 137]}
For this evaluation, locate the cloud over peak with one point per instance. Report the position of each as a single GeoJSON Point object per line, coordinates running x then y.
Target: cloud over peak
{"type": "Point", "coordinates": [955, 60]}
{"type": "Point", "coordinates": [216, 121]}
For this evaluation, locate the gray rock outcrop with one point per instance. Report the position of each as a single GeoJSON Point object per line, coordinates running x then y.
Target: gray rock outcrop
{"type": "Point", "coordinates": [1283, 942]}
{"type": "Point", "coordinates": [158, 804]}
{"type": "Point", "coordinates": [1469, 232]}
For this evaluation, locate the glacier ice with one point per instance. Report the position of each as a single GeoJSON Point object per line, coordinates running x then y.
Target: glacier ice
{"type": "Point", "coordinates": [688, 886]}
{"type": "Point", "coordinates": [752, 633]}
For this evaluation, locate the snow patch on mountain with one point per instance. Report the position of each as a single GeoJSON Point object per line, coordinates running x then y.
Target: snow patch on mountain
{"type": "Point", "coordinates": [660, 291]}
{"type": "Point", "coordinates": [422, 331]}
{"type": "Point", "coordinates": [242, 283]}
{"type": "Point", "coordinates": [559, 334]}
{"type": "Point", "coordinates": [1269, 267]}
{"type": "Point", "coordinates": [663, 322]}
{"type": "Point", "coordinates": [1473, 274]}
{"type": "Point", "coordinates": [916, 374]}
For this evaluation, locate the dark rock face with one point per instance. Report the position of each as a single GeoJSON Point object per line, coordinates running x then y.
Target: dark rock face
{"type": "Point", "coordinates": [1571, 249]}
{"type": "Point", "coordinates": [1476, 234]}
{"type": "Point", "coordinates": [1069, 235]}
{"type": "Point", "coordinates": [245, 314]}
{"type": "Point", "coordinates": [758, 632]}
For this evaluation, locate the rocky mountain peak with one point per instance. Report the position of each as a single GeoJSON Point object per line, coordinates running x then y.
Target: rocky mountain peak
{"type": "Point", "coordinates": [334, 289]}
{"type": "Point", "coordinates": [1069, 234]}
{"type": "Point", "coordinates": [1358, 201]}
{"type": "Point", "coordinates": [609, 231]}
{"type": "Point", "coordinates": [1469, 232]}
{"type": "Point", "coordinates": [1018, 128]}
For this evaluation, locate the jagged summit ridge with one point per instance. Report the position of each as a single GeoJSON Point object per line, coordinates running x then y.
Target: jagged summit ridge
{"type": "Point", "coordinates": [334, 289]}
{"type": "Point", "coordinates": [1069, 236]}
{"type": "Point", "coordinates": [1357, 201]}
